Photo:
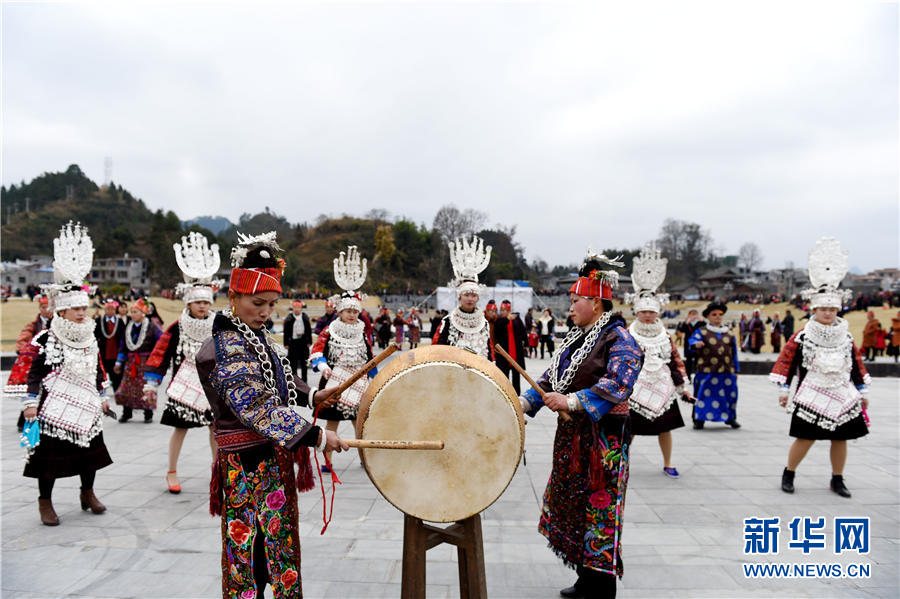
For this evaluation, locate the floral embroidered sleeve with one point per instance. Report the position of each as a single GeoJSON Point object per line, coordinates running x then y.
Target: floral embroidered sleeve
{"type": "Point", "coordinates": [317, 354]}
{"type": "Point", "coordinates": [25, 337]}
{"type": "Point", "coordinates": [238, 380]}
{"type": "Point", "coordinates": [622, 369]}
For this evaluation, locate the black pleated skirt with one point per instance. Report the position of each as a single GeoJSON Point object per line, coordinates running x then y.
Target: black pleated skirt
{"type": "Point", "coordinates": [55, 458]}
{"type": "Point", "coordinates": [667, 421]}
{"type": "Point", "coordinates": [852, 429]}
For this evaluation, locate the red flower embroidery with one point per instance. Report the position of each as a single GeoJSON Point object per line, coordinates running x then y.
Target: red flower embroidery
{"type": "Point", "coordinates": [289, 578]}
{"type": "Point", "coordinates": [274, 526]}
{"type": "Point", "coordinates": [238, 532]}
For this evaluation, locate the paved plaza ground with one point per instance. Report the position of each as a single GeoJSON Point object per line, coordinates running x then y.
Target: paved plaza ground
{"type": "Point", "coordinates": [682, 538]}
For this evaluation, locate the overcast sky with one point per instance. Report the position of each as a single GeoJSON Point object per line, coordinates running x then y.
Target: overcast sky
{"type": "Point", "coordinates": [773, 122]}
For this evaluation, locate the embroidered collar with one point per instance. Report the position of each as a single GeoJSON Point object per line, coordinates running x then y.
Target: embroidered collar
{"type": "Point", "coordinates": [722, 329]}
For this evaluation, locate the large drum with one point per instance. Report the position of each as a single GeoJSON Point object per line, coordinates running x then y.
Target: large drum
{"type": "Point", "coordinates": [444, 393]}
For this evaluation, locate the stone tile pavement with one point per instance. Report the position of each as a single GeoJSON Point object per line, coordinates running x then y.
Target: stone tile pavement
{"type": "Point", "coordinates": [682, 538]}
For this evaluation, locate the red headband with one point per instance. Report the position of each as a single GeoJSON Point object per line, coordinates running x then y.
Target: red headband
{"type": "Point", "coordinates": [588, 287]}
{"type": "Point", "coordinates": [141, 305]}
{"type": "Point", "coordinates": [255, 280]}
{"type": "Point", "coordinates": [506, 304]}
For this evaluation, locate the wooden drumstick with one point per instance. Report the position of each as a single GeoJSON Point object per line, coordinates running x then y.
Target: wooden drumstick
{"type": "Point", "coordinates": [520, 370]}
{"type": "Point", "coordinates": [392, 444]}
{"type": "Point", "coordinates": [367, 367]}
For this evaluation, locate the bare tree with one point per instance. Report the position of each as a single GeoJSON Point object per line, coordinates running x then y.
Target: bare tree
{"type": "Point", "coordinates": [451, 223]}
{"type": "Point", "coordinates": [379, 214]}
{"type": "Point", "coordinates": [750, 256]}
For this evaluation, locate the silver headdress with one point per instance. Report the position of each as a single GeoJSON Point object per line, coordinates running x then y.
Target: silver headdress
{"type": "Point", "coordinates": [350, 273]}
{"type": "Point", "coordinates": [248, 243]}
{"type": "Point", "coordinates": [610, 277]}
{"type": "Point", "coordinates": [469, 259]}
{"type": "Point", "coordinates": [647, 275]}
{"type": "Point", "coordinates": [828, 266]}
{"type": "Point", "coordinates": [73, 256]}
{"type": "Point", "coordinates": [199, 263]}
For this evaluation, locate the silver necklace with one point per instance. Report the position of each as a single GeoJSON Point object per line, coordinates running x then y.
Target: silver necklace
{"type": "Point", "coordinates": [560, 384]}
{"type": "Point", "coordinates": [263, 355]}
{"type": "Point", "coordinates": [142, 334]}
{"type": "Point", "coordinates": [192, 333]}
{"type": "Point", "coordinates": [467, 322]}
{"type": "Point", "coordinates": [103, 327]}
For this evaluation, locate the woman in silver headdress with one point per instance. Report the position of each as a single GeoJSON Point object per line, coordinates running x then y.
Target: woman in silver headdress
{"type": "Point", "coordinates": [65, 383]}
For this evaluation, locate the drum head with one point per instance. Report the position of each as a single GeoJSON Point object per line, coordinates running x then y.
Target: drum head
{"type": "Point", "coordinates": [447, 394]}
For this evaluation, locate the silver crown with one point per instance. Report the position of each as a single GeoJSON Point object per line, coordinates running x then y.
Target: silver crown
{"type": "Point", "coordinates": [73, 254]}
{"type": "Point", "coordinates": [350, 270]}
{"type": "Point", "coordinates": [469, 259]}
{"type": "Point", "coordinates": [196, 258]}
{"type": "Point", "coordinates": [647, 275]}
{"type": "Point", "coordinates": [828, 265]}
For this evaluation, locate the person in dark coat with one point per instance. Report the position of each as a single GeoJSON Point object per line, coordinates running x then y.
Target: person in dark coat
{"type": "Point", "coordinates": [109, 331]}
{"type": "Point", "coordinates": [691, 323]}
{"type": "Point", "coordinates": [509, 333]}
{"type": "Point", "coordinates": [383, 328]}
{"type": "Point", "coordinates": [298, 338]}
{"type": "Point", "coordinates": [788, 324]}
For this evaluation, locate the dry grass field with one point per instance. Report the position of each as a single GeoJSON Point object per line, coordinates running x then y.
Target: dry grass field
{"type": "Point", "coordinates": [16, 313]}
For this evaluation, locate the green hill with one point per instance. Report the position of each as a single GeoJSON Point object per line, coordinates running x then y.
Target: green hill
{"type": "Point", "coordinates": [402, 256]}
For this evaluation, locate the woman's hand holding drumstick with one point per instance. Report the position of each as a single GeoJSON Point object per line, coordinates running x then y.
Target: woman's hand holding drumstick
{"type": "Point", "coordinates": [560, 406]}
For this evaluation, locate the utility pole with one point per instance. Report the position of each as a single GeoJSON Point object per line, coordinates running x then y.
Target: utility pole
{"type": "Point", "coordinates": [107, 170]}
{"type": "Point", "coordinates": [27, 202]}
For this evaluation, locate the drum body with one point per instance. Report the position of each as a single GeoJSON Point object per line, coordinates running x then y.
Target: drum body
{"type": "Point", "coordinates": [442, 393]}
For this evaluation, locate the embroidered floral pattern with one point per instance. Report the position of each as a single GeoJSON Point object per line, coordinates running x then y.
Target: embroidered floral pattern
{"type": "Point", "coordinates": [256, 504]}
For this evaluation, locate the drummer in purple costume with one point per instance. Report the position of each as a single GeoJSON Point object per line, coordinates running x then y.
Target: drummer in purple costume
{"type": "Point", "coordinates": [590, 377]}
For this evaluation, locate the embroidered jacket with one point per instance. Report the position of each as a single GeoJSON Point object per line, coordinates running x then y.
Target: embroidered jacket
{"type": "Point", "coordinates": [604, 381]}
{"type": "Point", "coordinates": [234, 384]}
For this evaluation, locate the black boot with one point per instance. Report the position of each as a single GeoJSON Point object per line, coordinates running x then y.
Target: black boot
{"type": "Point", "coordinates": [572, 592]}
{"type": "Point", "coordinates": [838, 486]}
{"type": "Point", "coordinates": [733, 424]}
{"type": "Point", "coordinates": [126, 414]}
{"type": "Point", "coordinates": [698, 425]}
{"type": "Point", "coordinates": [148, 415]}
{"type": "Point", "coordinates": [787, 481]}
